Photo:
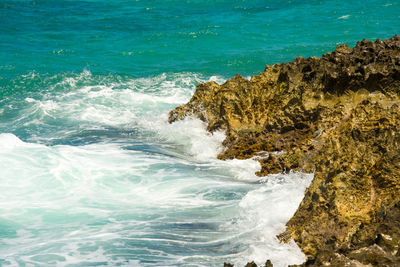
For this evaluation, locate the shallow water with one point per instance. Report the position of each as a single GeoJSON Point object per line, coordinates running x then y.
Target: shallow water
{"type": "Point", "coordinates": [91, 173]}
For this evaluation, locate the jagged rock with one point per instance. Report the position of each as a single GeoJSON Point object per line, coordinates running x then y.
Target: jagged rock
{"type": "Point", "coordinates": [337, 116]}
{"type": "Point", "coordinates": [352, 205]}
{"type": "Point", "coordinates": [284, 107]}
{"type": "Point", "coordinates": [251, 264]}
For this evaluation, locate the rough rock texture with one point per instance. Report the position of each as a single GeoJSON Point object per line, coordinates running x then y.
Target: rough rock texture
{"type": "Point", "coordinates": [352, 207]}
{"type": "Point", "coordinates": [251, 264]}
{"type": "Point", "coordinates": [337, 116]}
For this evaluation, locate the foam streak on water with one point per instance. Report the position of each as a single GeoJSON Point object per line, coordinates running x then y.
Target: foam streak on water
{"type": "Point", "coordinates": [93, 175]}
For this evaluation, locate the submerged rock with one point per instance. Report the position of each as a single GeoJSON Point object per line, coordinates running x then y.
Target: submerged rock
{"type": "Point", "coordinates": [337, 116]}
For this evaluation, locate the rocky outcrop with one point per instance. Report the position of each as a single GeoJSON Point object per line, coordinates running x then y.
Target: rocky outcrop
{"type": "Point", "coordinates": [351, 210]}
{"type": "Point", "coordinates": [337, 116]}
{"type": "Point", "coordinates": [252, 264]}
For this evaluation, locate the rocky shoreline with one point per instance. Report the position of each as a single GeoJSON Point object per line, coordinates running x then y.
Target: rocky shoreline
{"type": "Point", "coordinates": [337, 116]}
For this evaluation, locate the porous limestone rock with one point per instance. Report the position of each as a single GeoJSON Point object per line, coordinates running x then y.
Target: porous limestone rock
{"type": "Point", "coordinates": [351, 209]}
{"type": "Point", "coordinates": [337, 116]}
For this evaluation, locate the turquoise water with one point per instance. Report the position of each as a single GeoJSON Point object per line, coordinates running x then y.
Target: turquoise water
{"type": "Point", "coordinates": [91, 174]}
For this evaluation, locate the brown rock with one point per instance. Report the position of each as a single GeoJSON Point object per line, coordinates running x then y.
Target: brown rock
{"type": "Point", "coordinates": [283, 108]}
{"type": "Point", "coordinates": [356, 183]}
{"type": "Point", "coordinates": [337, 116]}
{"type": "Point", "coordinates": [251, 264]}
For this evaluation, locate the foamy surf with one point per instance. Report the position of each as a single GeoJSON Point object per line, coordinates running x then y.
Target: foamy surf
{"type": "Point", "coordinates": [105, 180]}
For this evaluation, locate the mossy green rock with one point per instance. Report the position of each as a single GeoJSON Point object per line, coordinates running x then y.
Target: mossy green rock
{"type": "Point", "coordinates": [337, 116]}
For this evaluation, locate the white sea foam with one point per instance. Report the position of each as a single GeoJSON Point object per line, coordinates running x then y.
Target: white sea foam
{"type": "Point", "coordinates": [344, 17]}
{"type": "Point", "coordinates": [264, 212]}
{"type": "Point", "coordinates": [113, 103]}
{"type": "Point", "coordinates": [9, 141]}
{"type": "Point", "coordinates": [108, 203]}
{"type": "Point", "coordinates": [190, 134]}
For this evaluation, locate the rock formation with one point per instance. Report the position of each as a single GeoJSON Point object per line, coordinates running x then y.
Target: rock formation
{"type": "Point", "coordinates": [337, 116]}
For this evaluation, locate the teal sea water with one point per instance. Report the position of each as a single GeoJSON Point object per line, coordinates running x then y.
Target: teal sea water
{"type": "Point", "coordinates": [91, 173]}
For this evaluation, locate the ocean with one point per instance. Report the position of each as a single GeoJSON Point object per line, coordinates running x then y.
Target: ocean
{"type": "Point", "coordinates": [92, 174]}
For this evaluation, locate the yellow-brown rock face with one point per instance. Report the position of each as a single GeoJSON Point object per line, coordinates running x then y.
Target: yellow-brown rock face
{"type": "Point", "coordinates": [356, 185]}
{"type": "Point", "coordinates": [337, 116]}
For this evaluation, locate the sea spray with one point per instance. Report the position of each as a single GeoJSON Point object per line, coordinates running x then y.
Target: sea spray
{"type": "Point", "coordinates": [97, 176]}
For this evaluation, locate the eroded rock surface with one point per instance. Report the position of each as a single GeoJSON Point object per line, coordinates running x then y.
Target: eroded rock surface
{"type": "Point", "coordinates": [337, 116]}
{"type": "Point", "coordinates": [352, 207]}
